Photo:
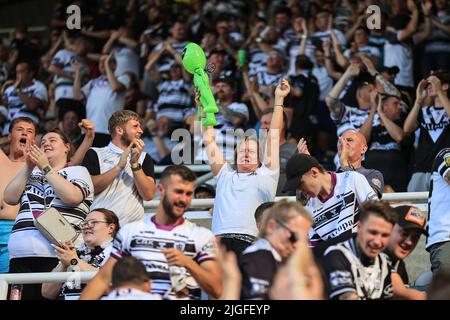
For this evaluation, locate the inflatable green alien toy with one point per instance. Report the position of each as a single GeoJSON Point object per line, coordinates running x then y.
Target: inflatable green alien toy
{"type": "Point", "coordinates": [194, 61]}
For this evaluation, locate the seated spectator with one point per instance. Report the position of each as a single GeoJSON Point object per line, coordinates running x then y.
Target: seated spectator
{"type": "Point", "coordinates": [205, 191]}
{"type": "Point", "coordinates": [45, 181]}
{"type": "Point", "coordinates": [333, 198]}
{"type": "Point", "coordinates": [123, 175]}
{"type": "Point", "coordinates": [404, 238]}
{"type": "Point", "coordinates": [357, 268]}
{"type": "Point", "coordinates": [130, 281]}
{"type": "Point", "coordinates": [104, 95]}
{"type": "Point", "coordinates": [98, 231]}
{"type": "Point", "coordinates": [430, 113]}
{"type": "Point", "coordinates": [284, 225]}
{"type": "Point", "coordinates": [251, 181]}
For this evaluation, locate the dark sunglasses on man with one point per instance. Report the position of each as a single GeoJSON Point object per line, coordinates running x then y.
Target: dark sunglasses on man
{"type": "Point", "coordinates": [293, 237]}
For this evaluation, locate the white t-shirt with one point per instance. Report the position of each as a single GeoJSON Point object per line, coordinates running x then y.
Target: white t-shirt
{"type": "Point", "coordinates": [339, 213]}
{"type": "Point", "coordinates": [102, 101]}
{"type": "Point", "coordinates": [127, 61]}
{"type": "Point", "coordinates": [439, 200]}
{"type": "Point", "coordinates": [121, 196]}
{"type": "Point", "coordinates": [26, 240]}
{"type": "Point", "coordinates": [237, 197]}
{"type": "Point", "coordinates": [130, 294]}
{"type": "Point", "coordinates": [400, 55]}
{"type": "Point", "coordinates": [145, 240]}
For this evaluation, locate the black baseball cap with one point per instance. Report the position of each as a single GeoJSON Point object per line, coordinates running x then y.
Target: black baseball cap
{"type": "Point", "coordinates": [205, 187]}
{"type": "Point", "coordinates": [296, 167]}
{"type": "Point", "coordinates": [410, 217]}
{"type": "Point", "coordinates": [390, 70]}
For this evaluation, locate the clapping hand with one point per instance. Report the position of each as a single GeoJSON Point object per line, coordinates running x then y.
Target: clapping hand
{"type": "Point", "coordinates": [37, 157]}
{"type": "Point", "coordinates": [136, 148]}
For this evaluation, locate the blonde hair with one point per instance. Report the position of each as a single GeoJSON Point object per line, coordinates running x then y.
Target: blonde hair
{"type": "Point", "coordinates": [119, 118]}
{"type": "Point", "coordinates": [284, 211]}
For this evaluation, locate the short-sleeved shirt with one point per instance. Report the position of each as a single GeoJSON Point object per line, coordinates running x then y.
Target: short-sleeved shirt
{"type": "Point", "coordinates": [62, 59]}
{"type": "Point", "coordinates": [145, 240]}
{"type": "Point", "coordinates": [96, 257]}
{"type": "Point", "coordinates": [439, 200]}
{"type": "Point", "coordinates": [130, 294]}
{"type": "Point", "coordinates": [121, 196]}
{"type": "Point", "coordinates": [349, 271]}
{"type": "Point", "coordinates": [374, 177]}
{"type": "Point", "coordinates": [102, 101]}
{"type": "Point", "coordinates": [17, 108]}
{"type": "Point", "coordinates": [339, 212]}
{"type": "Point", "coordinates": [350, 118]}
{"type": "Point", "coordinates": [434, 125]}
{"type": "Point", "coordinates": [258, 264]}
{"type": "Point", "coordinates": [237, 197]}
{"type": "Point", "coordinates": [26, 240]}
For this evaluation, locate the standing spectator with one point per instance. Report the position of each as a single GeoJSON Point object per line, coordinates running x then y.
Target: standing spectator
{"type": "Point", "coordinates": [284, 225]}
{"type": "Point", "coordinates": [287, 149]}
{"type": "Point", "coordinates": [361, 44]}
{"type": "Point", "coordinates": [45, 181]}
{"type": "Point", "coordinates": [438, 243]}
{"type": "Point", "coordinates": [404, 238]}
{"type": "Point", "coordinates": [386, 141]}
{"type": "Point", "coordinates": [104, 95]}
{"type": "Point", "coordinates": [347, 117]}
{"type": "Point", "coordinates": [123, 175]}
{"type": "Point", "coordinates": [98, 231]}
{"type": "Point", "coordinates": [437, 45]}
{"type": "Point", "coordinates": [334, 198]}
{"type": "Point", "coordinates": [252, 181]}
{"type": "Point", "coordinates": [27, 97]}
{"type": "Point", "coordinates": [431, 116]}
{"type": "Point", "coordinates": [357, 269]}
{"type": "Point", "coordinates": [22, 133]}
{"type": "Point", "coordinates": [64, 71]}
{"type": "Point", "coordinates": [271, 75]}
{"type": "Point", "coordinates": [322, 23]}
{"type": "Point", "coordinates": [168, 244]}
{"type": "Point", "coordinates": [159, 144]}
{"type": "Point", "coordinates": [130, 281]}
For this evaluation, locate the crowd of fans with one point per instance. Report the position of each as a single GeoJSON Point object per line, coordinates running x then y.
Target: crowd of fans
{"type": "Point", "coordinates": [344, 111]}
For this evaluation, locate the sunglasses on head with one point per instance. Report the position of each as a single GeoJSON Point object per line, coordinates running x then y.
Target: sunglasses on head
{"type": "Point", "coordinates": [293, 238]}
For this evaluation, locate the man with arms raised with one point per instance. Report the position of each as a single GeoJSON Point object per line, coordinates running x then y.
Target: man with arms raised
{"type": "Point", "coordinates": [164, 241]}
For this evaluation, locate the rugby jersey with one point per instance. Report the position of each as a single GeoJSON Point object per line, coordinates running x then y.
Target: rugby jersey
{"type": "Point", "coordinates": [96, 257]}
{"type": "Point", "coordinates": [174, 100]}
{"type": "Point", "coordinates": [434, 125]}
{"type": "Point", "coordinates": [165, 62]}
{"type": "Point", "coordinates": [17, 108]}
{"type": "Point", "coordinates": [350, 118]}
{"type": "Point", "coordinates": [439, 200]}
{"type": "Point", "coordinates": [121, 196]}
{"type": "Point", "coordinates": [339, 212]}
{"type": "Point", "coordinates": [26, 240]}
{"type": "Point", "coordinates": [130, 294]}
{"type": "Point", "coordinates": [348, 270]}
{"type": "Point", "coordinates": [145, 240]}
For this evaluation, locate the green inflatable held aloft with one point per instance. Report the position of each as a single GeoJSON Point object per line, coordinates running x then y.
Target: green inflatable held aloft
{"type": "Point", "coordinates": [194, 61]}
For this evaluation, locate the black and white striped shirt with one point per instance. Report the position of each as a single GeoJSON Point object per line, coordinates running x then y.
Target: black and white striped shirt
{"type": "Point", "coordinates": [349, 271]}
{"type": "Point", "coordinates": [26, 240]}
{"type": "Point", "coordinates": [145, 240]}
{"type": "Point", "coordinates": [351, 118]}
{"type": "Point", "coordinates": [174, 100]}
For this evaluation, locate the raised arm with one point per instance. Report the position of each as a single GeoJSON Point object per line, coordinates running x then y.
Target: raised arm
{"type": "Point", "coordinates": [115, 84]}
{"type": "Point", "coordinates": [77, 92]}
{"type": "Point", "coordinates": [272, 149]}
{"type": "Point", "coordinates": [437, 87]}
{"type": "Point", "coordinates": [421, 36]}
{"type": "Point", "coordinates": [88, 129]}
{"type": "Point", "coordinates": [392, 128]}
{"type": "Point", "coordinates": [332, 100]}
{"type": "Point", "coordinates": [366, 128]}
{"type": "Point", "coordinates": [411, 123]}
{"type": "Point", "coordinates": [412, 25]}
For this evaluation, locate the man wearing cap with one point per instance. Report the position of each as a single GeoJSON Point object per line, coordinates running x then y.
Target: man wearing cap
{"type": "Point", "coordinates": [404, 238]}
{"type": "Point", "coordinates": [334, 198]}
{"type": "Point", "coordinates": [438, 243]}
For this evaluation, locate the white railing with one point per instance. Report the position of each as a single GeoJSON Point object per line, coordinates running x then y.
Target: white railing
{"type": "Point", "coordinates": [41, 277]}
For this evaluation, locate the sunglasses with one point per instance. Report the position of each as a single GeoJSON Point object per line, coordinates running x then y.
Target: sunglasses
{"type": "Point", "coordinates": [293, 238]}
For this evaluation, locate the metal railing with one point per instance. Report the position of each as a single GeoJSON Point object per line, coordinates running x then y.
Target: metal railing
{"type": "Point", "coordinates": [41, 277]}
{"type": "Point", "coordinates": [195, 168]}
